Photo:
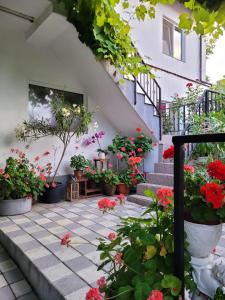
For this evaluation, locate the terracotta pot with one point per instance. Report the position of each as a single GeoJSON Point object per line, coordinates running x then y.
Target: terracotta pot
{"type": "Point", "coordinates": [202, 239]}
{"type": "Point", "coordinates": [109, 190]}
{"type": "Point", "coordinates": [123, 188]}
{"type": "Point", "coordinates": [78, 174]}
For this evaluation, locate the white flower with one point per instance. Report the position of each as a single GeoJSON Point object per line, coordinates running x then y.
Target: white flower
{"type": "Point", "coordinates": [74, 105]}
{"type": "Point", "coordinates": [96, 125]}
{"type": "Point", "coordinates": [78, 110]}
{"type": "Point", "coordinates": [65, 112]}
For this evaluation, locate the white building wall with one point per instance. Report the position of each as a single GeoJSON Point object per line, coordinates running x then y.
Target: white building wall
{"type": "Point", "coordinates": [21, 64]}
{"type": "Point", "coordinates": [148, 38]}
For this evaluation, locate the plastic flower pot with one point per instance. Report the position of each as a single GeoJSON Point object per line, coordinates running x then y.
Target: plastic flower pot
{"type": "Point", "coordinates": [54, 194]}
{"type": "Point", "coordinates": [109, 190]}
{"type": "Point", "coordinates": [78, 174]}
{"type": "Point", "coordinates": [14, 207]}
{"type": "Point", "coordinates": [122, 188]}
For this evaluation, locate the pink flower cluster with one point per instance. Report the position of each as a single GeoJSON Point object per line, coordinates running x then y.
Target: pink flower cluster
{"type": "Point", "coordinates": [105, 204]}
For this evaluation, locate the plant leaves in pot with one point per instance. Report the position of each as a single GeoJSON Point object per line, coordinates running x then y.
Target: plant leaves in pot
{"type": "Point", "coordinates": [20, 182]}
{"type": "Point", "coordinates": [78, 163]}
{"type": "Point", "coordinates": [123, 187]}
{"type": "Point", "coordinates": [110, 180]}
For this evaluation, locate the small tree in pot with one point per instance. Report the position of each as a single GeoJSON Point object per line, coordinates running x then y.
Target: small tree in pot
{"type": "Point", "coordinates": [78, 163]}
{"type": "Point", "coordinates": [68, 121]}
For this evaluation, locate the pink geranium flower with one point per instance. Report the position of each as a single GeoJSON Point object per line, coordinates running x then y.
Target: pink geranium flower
{"type": "Point", "coordinates": [118, 258]}
{"type": "Point", "coordinates": [123, 149]}
{"type": "Point", "coordinates": [94, 294]}
{"type": "Point", "coordinates": [66, 239]}
{"type": "Point", "coordinates": [42, 177]}
{"type": "Point", "coordinates": [101, 282]}
{"type": "Point", "coordinates": [36, 158]}
{"type": "Point", "coordinates": [119, 155]}
{"type": "Point", "coordinates": [156, 295]}
{"type": "Point", "coordinates": [139, 130]}
{"type": "Point", "coordinates": [46, 153]}
{"type": "Point", "coordinates": [112, 236]}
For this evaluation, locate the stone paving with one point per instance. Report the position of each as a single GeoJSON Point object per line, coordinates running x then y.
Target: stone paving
{"type": "Point", "coordinates": [13, 285]}
{"type": "Point", "coordinates": [38, 233]}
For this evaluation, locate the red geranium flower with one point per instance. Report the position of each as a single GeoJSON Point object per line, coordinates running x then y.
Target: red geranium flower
{"type": "Point", "coordinates": [112, 236]}
{"type": "Point", "coordinates": [66, 239]}
{"type": "Point", "coordinates": [131, 138]}
{"type": "Point", "coordinates": [168, 153]}
{"type": "Point", "coordinates": [189, 84]}
{"type": "Point", "coordinates": [156, 295]}
{"type": "Point", "coordinates": [6, 176]}
{"type": "Point", "coordinates": [46, 153]}
{"type": "Point", "coordinates": [139, 150]}
{"type": "Point", "coordinates": [119, 155]}
{"type": "Point", "coordinates": [42, 177]}
{"type": "Point", "coordinates": [134, 160]}
{"type": "Point", "coordinates": [94, 294]}
{"type": "Point", "coordinates": [213, 193]}
{"type": "Point", "coordinates": [139, 130]}
{"type": "Point", "coordinates": [36, 158]}
{"type": "Point", "coordinates": [123, 149]}
{"type": "Point", "coordinates": [1, 171]}
{"type": "Point", "coordinates": [118, 258]}
{"type": "Point", "coordinates": [106, 204]}
{"type": "Point", "coordinates": [216, 169]}
{"type": "Point", "coordinates": [164, 195]}
{"type": "Point", "coordinates": [189, 168]}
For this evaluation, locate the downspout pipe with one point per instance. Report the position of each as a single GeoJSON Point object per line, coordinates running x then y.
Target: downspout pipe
{"type": "Point", "coordinates": [200, 58]}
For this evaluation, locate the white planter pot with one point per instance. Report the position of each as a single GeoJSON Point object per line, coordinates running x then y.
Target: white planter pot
{"type": "Point", "coordinates": [13, 207]}
{"type": "Point", "coordinates": [202, 239]}
{"type": "Point", "coordinates": [101, 155]}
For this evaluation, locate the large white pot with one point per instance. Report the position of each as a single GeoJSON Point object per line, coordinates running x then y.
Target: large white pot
{"type": "Point", "coordinates": [13, 207]}
{"type": "Point", "coordinates": [101, 155]}
{"type": "Point", "coordinates": [202, 239]}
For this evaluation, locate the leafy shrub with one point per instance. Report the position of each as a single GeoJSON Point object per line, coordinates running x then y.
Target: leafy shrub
{"type": "Point", "coordinates": [78, 162]}
{"type": "Point", "coordinates": [109, 177]}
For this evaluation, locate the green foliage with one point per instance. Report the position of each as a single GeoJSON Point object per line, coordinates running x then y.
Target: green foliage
{"type": "Point", "coordinates": [109, 177]}
{"type": "Point", "coordinates": [213, 123]}
{"type": "Point", "coordinates": [124, 177]}
{"type": "Point", "coordinates": [68, 121]}
{"type": "Point", "coordinates": [219, 295]}
{"type": "Point", "coordinates": [102, 29]}
{"type": "Point", "coordinates": [145, 247]}
{"type": "Point", "coordinates": [21, 179]}
{"type": "Point", "coordinates": [78, 162]}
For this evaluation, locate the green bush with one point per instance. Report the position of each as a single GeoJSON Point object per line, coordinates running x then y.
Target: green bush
{"type": "Point", "coordinates": [78, 162]}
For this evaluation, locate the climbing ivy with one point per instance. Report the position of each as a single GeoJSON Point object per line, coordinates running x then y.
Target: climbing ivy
{"type": "Point", "coordinates": [102, 28]}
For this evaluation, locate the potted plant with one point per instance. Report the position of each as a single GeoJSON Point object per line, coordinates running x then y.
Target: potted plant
{"type": "Point", "coordinates": [94, 176]}
{"type": "Point", "coordinates": [123, 187]}
{"type": "Point", "coordinates": [110, 180]}
{"type": "Point", "coordinates": [20, 182]}
{"type": "Point", "coordinates": [78, 163]}
{"type": "Point", "coordinates": [68, 121]}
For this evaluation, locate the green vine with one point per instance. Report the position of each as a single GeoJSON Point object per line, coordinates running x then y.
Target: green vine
{"type": "Point", "coordinates": [107, 34]}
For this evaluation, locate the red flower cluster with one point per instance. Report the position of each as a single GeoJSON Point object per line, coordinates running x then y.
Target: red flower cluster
{"type": "Point", "coordinates": [164, 195]}
{"type": "Point", "coordinates": [156, 295]}
{"type": "Point", "coordinates": [94, 294]}
{"type": "Point", "coordinates": [106, 204]}
{"type": "Point", "coordinates": [121, 198]}
{"type": "Point", "coordinates": [112, 236]}
{"type": "Point", "coordinates": [216, 169]}
{"type": "Point", "coordinates": [101, 282]}
{"type": "Point", "coordinates": [189, 85]}
{"type": "Point", "coordinates": [134, 160]}
{"type": "Point", "coordinates": [168, 153]}
{"type": "Point", "coordinates": [139, 130]}
{"type": "Point", "coordinates": [118, 258]}
{"type": "Point", "coordinates": [66, 239]}
{"type": "Point", "coordinates": [213, 193]}
{"type": "Point", "coordinates": [189, 168]}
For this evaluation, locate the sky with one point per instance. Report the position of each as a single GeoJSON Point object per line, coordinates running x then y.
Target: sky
{"type": "Point", "coordinates": [215, 67]}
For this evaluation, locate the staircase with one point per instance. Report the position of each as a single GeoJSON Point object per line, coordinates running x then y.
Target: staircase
{"type": "Point", "coordinates": [162, 177]}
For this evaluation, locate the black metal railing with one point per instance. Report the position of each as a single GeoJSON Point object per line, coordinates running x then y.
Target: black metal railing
{"type": "Point", "coordinates": [178, 119]}
{"type": "Point", "coordinates": [179, 156]}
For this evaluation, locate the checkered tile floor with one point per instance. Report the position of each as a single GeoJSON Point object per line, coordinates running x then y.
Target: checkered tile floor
{"type": "Point", "coordinates": [38, 234]}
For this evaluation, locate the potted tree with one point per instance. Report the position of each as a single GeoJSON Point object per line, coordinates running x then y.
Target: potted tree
{"type": "Point", "coordinates": [110, 180]}
{"type": "Point", "coordinates": [78, 163]}
{"type": "Point", "coordinates": [20, 182]}
{"type": "Point", "coordinates": [68, 121]}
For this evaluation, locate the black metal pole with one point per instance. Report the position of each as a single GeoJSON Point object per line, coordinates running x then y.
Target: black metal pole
{"type": "Point", "coordinates": [179, 212]}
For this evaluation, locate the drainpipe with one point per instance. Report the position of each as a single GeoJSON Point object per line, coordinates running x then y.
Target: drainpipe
{"type": "Point", "coordinates": [200, 58]}
{"type": "Point", "coordinates": [16, 13]}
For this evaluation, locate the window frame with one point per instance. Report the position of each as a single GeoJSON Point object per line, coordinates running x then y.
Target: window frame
{"type": "Point", "coordinates": [174, 27]}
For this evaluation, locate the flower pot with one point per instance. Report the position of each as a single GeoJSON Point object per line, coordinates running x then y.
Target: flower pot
{"type": "Point", "coordinates": [14, 207]}
{"type": "Point", "coordinates": [54, 194]}
{"type": "Point", "coordinates": [122, 188]}
{"type": "Point", "coordinates": [202, 239]}
{"type": "Point", "coordinates": [101, 155]}
{"type": "Point", "coordinates": [78, 174]}
{"type": "Point", "coordinates": [109, 189]}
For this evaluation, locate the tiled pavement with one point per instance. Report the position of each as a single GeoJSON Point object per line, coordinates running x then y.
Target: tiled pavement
{"type": "Point", "coordinates": [38, 233]}
{"type": "Point", "coordinates": [13, 285]}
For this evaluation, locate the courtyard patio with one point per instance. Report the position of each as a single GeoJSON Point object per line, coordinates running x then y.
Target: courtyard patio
{"type": "Point", "coordinates": [34, 240]}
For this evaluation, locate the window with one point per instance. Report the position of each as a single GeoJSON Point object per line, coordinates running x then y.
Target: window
{"type": "Point", "coordinates": [40, 98]}
{"type": "Point", "coordinates": [173, 40]}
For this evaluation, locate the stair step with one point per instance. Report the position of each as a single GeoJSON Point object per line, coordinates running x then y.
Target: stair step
{"type": "Point", "coordinates": [141, 187]}
{"type": "Point", "coordinates": [139, 199]}
{"type": "Point", "coordinates": [166, 168]}
{"type": "Point", "coordinates": [160, 179]}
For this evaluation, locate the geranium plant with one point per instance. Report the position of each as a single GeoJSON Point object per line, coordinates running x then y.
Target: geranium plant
{"type": "Point", "coordinates": [78, 162]}
{"type": "Point", "coordinates": [21, 178]}
{"type": "Point", "coordinates": [109, 177]}
{"type": "Point", "coordinates": [69, 121]}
